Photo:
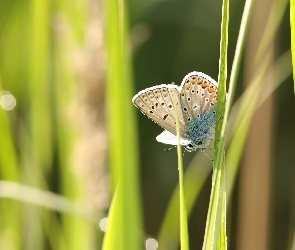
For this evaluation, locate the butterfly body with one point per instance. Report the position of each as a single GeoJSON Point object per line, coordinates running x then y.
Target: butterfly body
{"type": "Point", "coordinates": [201, 131]}
{"type": "Point", "coordinates": [195, 101]}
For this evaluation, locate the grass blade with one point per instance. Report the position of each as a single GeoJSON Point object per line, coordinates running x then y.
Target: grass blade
{"type": "Point", "coordinates": [184, 237]}
{"type": "Point", "coordinates": [292, 17]}
{"type": "Point", "coordinates": [194, 179]}
{"type": "Point", "coordinates": [216, 198]}
{"type": "Point", "coordinates": [248, 107]}
{"type": "Point", "coordinates": [123, 154]}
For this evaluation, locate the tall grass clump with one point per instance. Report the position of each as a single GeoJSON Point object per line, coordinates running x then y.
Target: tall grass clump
{"type": "Point", "coordinates": [56, 185]}
{"type": "Point", "coordinates": [195, 176]}
{"type": "Point", "coordinates": [39, 187]}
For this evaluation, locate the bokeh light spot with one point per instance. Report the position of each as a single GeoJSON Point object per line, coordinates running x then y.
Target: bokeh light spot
{"type": "Point", "coordinates": [103, 224]}
{"type": "Point", "coordinates": [151, 244]}
{"type": "Point", "coordinates": [7, 100]}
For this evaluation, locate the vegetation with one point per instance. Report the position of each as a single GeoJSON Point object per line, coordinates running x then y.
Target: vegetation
{"type": "Point", "coordinates": [78, 159]}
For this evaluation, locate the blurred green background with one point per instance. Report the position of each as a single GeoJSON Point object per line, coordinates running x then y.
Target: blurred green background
{"type": "Point", "coordinates": [55, 140]}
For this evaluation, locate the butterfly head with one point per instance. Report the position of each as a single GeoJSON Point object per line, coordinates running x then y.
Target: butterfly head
{"type": "Point", "coordinates": [189, 147]}
{"type": "Point", "coordinates": [194, 146]}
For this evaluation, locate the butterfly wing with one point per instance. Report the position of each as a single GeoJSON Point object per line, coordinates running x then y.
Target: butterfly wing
{"type": "Point", "coordinates": [198, 99]}
{"type": "Point", "coordinates": [157, 103]}
{"type": "Point", "coordinates": [198, 94]}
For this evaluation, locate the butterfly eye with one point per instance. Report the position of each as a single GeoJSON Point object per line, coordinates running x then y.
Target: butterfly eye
{"type": "Point", "coordinates": [189, 147]}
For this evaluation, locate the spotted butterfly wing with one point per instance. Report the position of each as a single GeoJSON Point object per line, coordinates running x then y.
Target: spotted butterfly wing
{"type": "Point", "coordinates": [198, 97]}
{"type": "Point", "coordinates": [157, 103]}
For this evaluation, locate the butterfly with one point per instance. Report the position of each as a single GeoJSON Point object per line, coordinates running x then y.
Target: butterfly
{"type": "Point", "coordinates": [196, 104]}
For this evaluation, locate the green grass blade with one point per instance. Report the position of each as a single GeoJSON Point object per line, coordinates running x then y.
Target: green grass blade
{"type": "Point", "coordinates": [215, 210]}
{"type": "Point", "coordinates": [292, 17]}
{"type": "Point", "coordinates": [9, 171]}
{"type": "Point", "coordinates": [221, 122]}
{"type": "Point", "coordinates": [237, 61]}
{"type": "Point", "coordinates": [64, 90]}
{"type": "Point", "coordinates": [23, 193]}
{"type": "Point", "coordinates": [184, 237]}
{"type": "Point", "coordinates": [194, 179]}
{"type": "Point", "coordinates": [113, 240]}
{"type": "Point", "coordinates": [222, 241]}
{"type": "Point", "coordinates": [238, 56]}
{"type": "Point", "coordinates": [250, 98]}
{"type": "Point", "coordinates": [8, 154]}
{"type": "Point", "coordinates": [123, 156]}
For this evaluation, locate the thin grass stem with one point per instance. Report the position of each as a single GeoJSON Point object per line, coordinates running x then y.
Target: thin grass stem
{"type": "Point", "coordinates": [184, 237]}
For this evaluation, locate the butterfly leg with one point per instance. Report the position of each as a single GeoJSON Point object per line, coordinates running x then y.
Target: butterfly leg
{"type": "Point", "coordinates": [212, 149]}
{"type": "Point", "coordinates": [203, 151]}
{"type": "Point", "coordinates": [167, 149]}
